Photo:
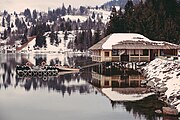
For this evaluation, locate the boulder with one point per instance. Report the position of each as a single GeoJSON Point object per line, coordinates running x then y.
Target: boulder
{"type": "Point", "coordinates": [157, 79]}
{"type": "Point", "coordinates": [162, 90]}
{"type": "Point", "coordinates": [158, 111]}
{"type": "Point", "coordinates": [143, 82]}
{"type": "Point", "coordinates": [169, 111]}
{"type": "Point", "coordinates": [150, 84]}
{"type": "Point", "coordinates": [167, 77]}
{"type": "Point", "coordinates": [178, 97]}
{"type": "Point", "coordinates": [171, 98]}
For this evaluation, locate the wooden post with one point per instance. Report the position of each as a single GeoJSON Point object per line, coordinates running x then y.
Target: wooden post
{"type": "Point", "coordinates": [158, 52]}
{"type": "Point", "coordinates": [149, 55]}
{"type": "Point", "coordinates": [139, 56]}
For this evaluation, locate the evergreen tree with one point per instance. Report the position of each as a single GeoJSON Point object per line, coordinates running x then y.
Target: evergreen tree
{"type": "Point", "coordinates": [8, 19]}
{"type": "Point", "coordinates": [27, 13]}
{"type": "Point", "coordinates": [69, 10]}
{"type": "Point", "coordinates": [3, 22]}
{"type": "Point", "coordinates": [5, 34]}
{"type": "Point", "coordinates": [12, 25]}
{"type": "Point", "coordinates": [56, 39]}
{"type": "Point", "coordinates": [93, 15]}
{"type": "Point", "coordinates": [63, 10]}
{"type": "Point", "coordinates": [34, 14]}
{"type": "Point", "coordinates": [96, 36]}
{"type": "Point", "coordinates": [82, 10]}
{"type": "Point", "coordinates": [24, 39]}
{"type": "Point", "coordinates": [65, 35]}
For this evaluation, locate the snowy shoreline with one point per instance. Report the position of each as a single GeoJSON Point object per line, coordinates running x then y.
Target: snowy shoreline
{"type": "Point", "coordinates": [163, 78]}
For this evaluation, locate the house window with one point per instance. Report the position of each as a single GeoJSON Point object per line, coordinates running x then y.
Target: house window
{"type": "Point", "coordinates": [115, 53]}
{"type": "Point", "coordinates": [145, 52]}
{"type": "Point", "coordinates": [106, 83]}
{"type": "Point", "coordinates": [106, 54]}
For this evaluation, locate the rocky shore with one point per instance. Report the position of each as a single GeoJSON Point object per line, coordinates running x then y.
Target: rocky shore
{"type": "Point", "coordinates": [163, 78]}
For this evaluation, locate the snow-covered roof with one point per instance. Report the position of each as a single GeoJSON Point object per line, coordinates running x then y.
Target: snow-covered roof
{"type": "Point", "coordinates": [114, 40]}
{"type": "Point", "coordinates": [119, 37]}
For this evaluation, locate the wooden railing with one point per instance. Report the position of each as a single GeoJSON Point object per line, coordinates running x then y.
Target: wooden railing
{"type": "Point", "coordinates": [117, 58]}
{"type": "Point", "coordinates": [138, 58]}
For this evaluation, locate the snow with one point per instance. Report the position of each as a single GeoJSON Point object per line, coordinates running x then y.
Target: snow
{"type": "Point", "coordinates": [119, 37]}
{"type": "Point", "coordinates": [115, 96]}
{"type": "Point", "coordinates": [75, 18]}
{"type": "Point", "coordinates": [105, 14]}
{"type": "Point", "coordinates": [178, 107]}
{"type": "Point", "coordinates": [62, 47]}
{"type": "Point", "coordinates": [167, 72]}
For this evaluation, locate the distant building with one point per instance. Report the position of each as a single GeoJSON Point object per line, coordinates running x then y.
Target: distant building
{"type": "Point", "coordinates": [130, 47]}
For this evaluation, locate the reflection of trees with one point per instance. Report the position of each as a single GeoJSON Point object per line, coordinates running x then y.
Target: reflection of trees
{"type": "Point", "coordinates": [7, 69]}
{"type": "Point", "coordinates": [40, 59]}
{"type": "Point", "coordinates": [55, 84]}
{"type": "Point", "coordinates": [79, 60]}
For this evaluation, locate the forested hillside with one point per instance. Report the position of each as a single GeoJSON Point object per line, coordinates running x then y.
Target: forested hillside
{"type": "Point", "coordinates": [155, 19]}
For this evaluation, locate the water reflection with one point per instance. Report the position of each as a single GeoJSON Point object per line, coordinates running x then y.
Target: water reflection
{"type": "Point", "coordinates": [63, 83]}
{"type": "Point", "coordinates": [120, 80]}
{"type": "Point", "coordinates": [126, 82]}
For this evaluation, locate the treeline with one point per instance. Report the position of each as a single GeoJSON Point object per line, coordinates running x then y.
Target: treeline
{"type": "Point", "coordinates": [155, 19]}
{"type": "Point", "coordinates": [36, 23]}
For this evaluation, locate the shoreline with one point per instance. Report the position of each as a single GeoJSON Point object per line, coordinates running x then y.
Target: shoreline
{"type": "Point", "coordinates": [163, 78]}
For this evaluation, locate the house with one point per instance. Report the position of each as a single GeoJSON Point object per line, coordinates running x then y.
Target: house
{"type": "Point", "coordinates": [130, 47]}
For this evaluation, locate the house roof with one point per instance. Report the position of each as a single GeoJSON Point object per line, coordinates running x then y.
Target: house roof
{"type": "Point", "coordinates": [131, 41]}
{"type": "Point", "coordinates": [144, 45]}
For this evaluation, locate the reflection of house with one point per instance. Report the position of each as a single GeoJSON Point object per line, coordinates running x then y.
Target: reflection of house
{"type": "Point", "coordinates": [130, 47]}
{"type": "Point", "coordinates": [116, 81]}
{"type": "Point", "coordinates": [120, 88]}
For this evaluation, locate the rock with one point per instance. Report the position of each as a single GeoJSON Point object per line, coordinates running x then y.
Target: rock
{"type": "Point", "coordinates": [162, 90]}
{"type": "Point", "coordinates": [150, 84]}
{"type": "Point", "coordinates": [169, 111]}
{"type": "Point", "coordinates": [178, 74]}
{"type": "Point", "coordinates": [171, 98]}
{"type": "Point", "coordinates": [163, 98]}
{"type": "Point", "coordinates": [157, 79]}
{"type": "Point", "coordinates": [143, 82]}
{"type": "Point", "coordinates": [158, 111]}
{"type": "Point", "coordinates": [162, 94]}
{"type": "Point", "coordinates": [167, 78]}
{"type": "Point", "coordinates": [178, 97]}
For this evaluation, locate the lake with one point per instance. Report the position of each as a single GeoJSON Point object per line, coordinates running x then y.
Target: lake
{"type": "Point", "coordinates": [76, 96]}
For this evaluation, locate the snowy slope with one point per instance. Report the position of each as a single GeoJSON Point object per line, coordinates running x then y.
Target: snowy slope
{"type": "Point", "coordinates": [99, 13]}
{"type": "Point", "coordinates": [75, 18]}
{"type": "Point", "coordinates": [62, 47]}
{"type": "Point", "coordinates": [165, 75]}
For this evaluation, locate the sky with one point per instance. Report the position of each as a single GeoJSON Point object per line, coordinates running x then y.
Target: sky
{"type": "Point", "coordinates": [43, 5]}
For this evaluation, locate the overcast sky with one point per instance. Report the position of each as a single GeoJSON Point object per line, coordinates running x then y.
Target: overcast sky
{"type": "Point", "coordinates": [43, 5]}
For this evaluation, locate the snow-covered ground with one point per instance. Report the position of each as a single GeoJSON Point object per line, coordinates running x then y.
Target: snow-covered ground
{"type": "Point", "coordinates": [62, 47]}
{"type": "Point", "coordinates": [115, 96]}
{"type": "Point", "coordinates": [99, 13]}
{"type": "Point", "coordinates": [75, 18]}
{"type": "Point", "coordinates": [165, 74]}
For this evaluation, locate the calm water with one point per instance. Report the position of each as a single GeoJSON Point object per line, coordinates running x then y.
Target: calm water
{"type": "Point", "coordinates": [66, 97]}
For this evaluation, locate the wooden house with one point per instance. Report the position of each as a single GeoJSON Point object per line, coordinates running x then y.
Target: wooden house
{"type": "Point", "coordinates": [130, 47]}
